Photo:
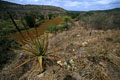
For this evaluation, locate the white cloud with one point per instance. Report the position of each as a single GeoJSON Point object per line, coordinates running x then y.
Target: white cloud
{"type": "Point", "coordinates": [73, 4]}
{"type": "Point", "coordinates": [104, 2]}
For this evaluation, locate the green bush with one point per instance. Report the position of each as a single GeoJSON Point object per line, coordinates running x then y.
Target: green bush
{"type": "Point", "coordinates": [65, 26]}
{"type": "Point", "coordinates": [7, 27]}
{"type": "Point", "coordinates": [40, 20]}
{"type": "Point", "coordinates": [68, 19]}
{"type": "Point", "coordinates": [52, 28]}
{"type": "Point", "coordinates": [50, 15]}
{"type": "Point", "coordinates": [73, 15]}
{"type": "Point", "coordinates": [99, 21]}
{"type": "Point", "coordinates": [29, 21]}
{"type": "Point", "coordinates": [5, 45]}
{"type": "Point", "coordinates": [67, 23]}
{"type": "Point", "coordinates": [116, 20]}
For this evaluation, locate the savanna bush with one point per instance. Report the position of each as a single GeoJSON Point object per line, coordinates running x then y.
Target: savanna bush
{"type": "Point", "coordinates": [100, 20]}
{"type": "Point", "coordinates": [65, 25]}
{"type": "Point", "coordinates": [52, 28]}
{"type": "Point", "coordinates": [116, 21]}
{"type": "Point", "coordinates": [67, 21]}
{"type": "Point", "coordinates": [73, 15]}
{"type": "Point", "coordinates": [29, 21]}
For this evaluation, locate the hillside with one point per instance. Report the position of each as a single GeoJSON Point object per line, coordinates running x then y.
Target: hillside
{"type": "Point", "coordinates": [22, 9]}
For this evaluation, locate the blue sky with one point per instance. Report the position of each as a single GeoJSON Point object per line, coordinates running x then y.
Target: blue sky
{"type": "Point", "coordinates": [76, 5]}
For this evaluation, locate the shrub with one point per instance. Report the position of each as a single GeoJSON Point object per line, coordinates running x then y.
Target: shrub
{"type": "Point", "coordinates": [73, 15]}
{"type": "Point", "coordinates": [67, 19]}
{"type": "Point", "coordinates": [5, 44]}
{"type": "Point", "coordinates": [52, 28]}
{"type": "Point", "coordinates": [64, 26]}
{"type": "Point", "coordinates": [39, 22]}
{"type": "Point", "coordinates": [116, 20]}
{"type": "Point", "coordinates": [29, 21]}
{"type": "Point", "coordinates": [67, 22]}
{"type": "Point", "coordinates": [99, 21]}
{"type": "Point", "coordinates": [50, 15]}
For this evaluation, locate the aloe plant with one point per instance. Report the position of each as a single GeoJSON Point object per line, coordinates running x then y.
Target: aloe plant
{"type": "Point", "coordinates": [37, 45]}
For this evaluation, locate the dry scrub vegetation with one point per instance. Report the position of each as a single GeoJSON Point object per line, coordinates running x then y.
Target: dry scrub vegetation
{"type": "Point", "coordinates": [77, 53]}
{"type": "Point", "coordinates": [81, 54]}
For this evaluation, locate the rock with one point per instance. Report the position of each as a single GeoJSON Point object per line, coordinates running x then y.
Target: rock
{"type": "Point", "coordinates": [84, 44]}
{"type": "Point", "coordinates": [40, 75]}
{"type": "Point", "coordinates": [65, 63]}
{"type": "Point", "coordinates": [60, 63]}
{"type": "Point", "coordinates": [71, 61]}
{"type": "Point", "coordinates": [77, 76]}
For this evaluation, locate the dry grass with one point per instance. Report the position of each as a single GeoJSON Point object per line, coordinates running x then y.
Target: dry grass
{"type": "Point", "coordinates": [96, 54]}
{"type": "Point", "coordinates": [97, 59]}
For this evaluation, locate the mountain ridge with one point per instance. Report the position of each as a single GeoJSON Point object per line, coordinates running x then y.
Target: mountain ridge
{"type": "Point", "coordinates": [21, 9]}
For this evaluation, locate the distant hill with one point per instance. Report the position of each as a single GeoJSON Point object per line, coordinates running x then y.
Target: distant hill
{"type": "Point", "coordinates": [22, 9]}
{"type": "Point", "coordinates": [109, 10]}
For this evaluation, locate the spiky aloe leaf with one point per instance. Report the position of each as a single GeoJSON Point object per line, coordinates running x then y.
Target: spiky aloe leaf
{"type": "Point", "coordinates": [15, 25]}
{"type": "Point", "coordinates": [26, 30]}
{"type": "Point", "coordinates": [32, 51]}
{"type": "Point", "coordinates": [26, 61]}
{"type": "Point", "coordinates": [46, 44]}
{"type": "Point", "coordinates": [40, 63]}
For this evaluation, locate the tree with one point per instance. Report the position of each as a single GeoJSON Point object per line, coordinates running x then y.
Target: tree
{"type": "Point", "coordinates": [30, 21]}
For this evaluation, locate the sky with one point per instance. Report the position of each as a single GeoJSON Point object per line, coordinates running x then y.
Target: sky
{"type": "Point", "coordinates": [74, 5]}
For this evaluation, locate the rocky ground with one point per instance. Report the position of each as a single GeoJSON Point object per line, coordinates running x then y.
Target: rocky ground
{"type": "Point", "coordinates": [77, 54]}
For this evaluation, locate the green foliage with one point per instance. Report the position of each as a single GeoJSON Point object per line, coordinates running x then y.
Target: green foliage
{"type": "Point", "coordinates": [41, 17]}
{"type": "Point", "coordinates": [100, 20]}
{"type": "Point", "coordinates": [65, 25]}
{"type": "Point", "coordinates": [89, 14]}
{"type": "Point", "coordinates": [50, 15]}
{"type": "Point", "coordinates": [29, 21]}
{"type": "Point", "coordinates": [7, 27]}
{"type": "Point", "coordinates": [40, 20]}
{"type": "Point", "coordinates": [67, 22]}
{"type": "Point", "coordinates": [52, 28]}
{"type": "Point", "coordinates": [116, 20]}
{"type": "Point", "coordinates": [73, 15]}
{"type": "Point", "coordinates": [5, 44]}
{"type": "Point", "coordinates": [67, 19]}
{"type": "Point", "coordinates": [5, 17]}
